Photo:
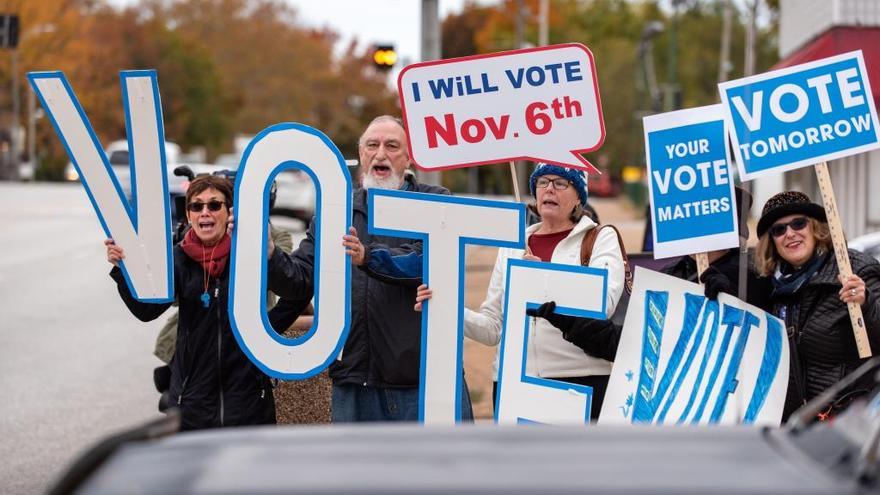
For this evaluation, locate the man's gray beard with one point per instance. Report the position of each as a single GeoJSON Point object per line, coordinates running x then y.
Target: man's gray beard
{"type": "Point", "coordinates": [393, 181]}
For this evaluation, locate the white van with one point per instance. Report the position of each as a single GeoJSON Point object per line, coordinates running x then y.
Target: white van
{"type": "Point", "coordinates": [117, 154]}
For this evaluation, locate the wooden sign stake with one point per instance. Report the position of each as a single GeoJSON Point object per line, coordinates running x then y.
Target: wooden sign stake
{"type": "Point", "coordinates": [702, 264]}
{"type": "Point", "coordinates": [515, 182]}
{"type": "Point", "coordinates": [840, 253]}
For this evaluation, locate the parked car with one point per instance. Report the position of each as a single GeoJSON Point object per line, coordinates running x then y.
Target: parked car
{"type": "Point", "coordinates": [228, 160]}
{"type": "Point", "coordinates": [118, 156]}
{"type": "Point", "coordinates": [26, 171]}
{"type": "Point", "coordinates": [296, 195]}
{"type": "Point", "coordinates": [802, 458]}
{"type": "Point", "coordinates": [868, 244]}
{"type": "Point", "coordinates": [604, 185]}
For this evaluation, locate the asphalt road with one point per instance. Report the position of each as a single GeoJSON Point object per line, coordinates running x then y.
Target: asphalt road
{"type": "Point", "coordinates": [75, 366]}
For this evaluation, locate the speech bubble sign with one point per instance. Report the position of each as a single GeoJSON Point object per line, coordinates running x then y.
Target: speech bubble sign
{"type": "Point", "coordinates": [692, 202]}
{"type": "Point", "coordinates": [801, 115]}
{"type": "Point", "coordinates": [538, 104]}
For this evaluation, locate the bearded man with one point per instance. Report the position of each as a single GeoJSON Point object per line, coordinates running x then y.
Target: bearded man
{"type": "Point", "coordinates": [376, 377]}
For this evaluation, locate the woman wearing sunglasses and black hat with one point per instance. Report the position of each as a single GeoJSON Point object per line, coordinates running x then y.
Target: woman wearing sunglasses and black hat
{"type": "Point", "coordinates": [213, 383]}
{"type": "Point", "coordinates": [810, 296]}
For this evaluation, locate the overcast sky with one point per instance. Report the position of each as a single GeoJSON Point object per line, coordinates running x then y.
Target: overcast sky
{"type": "Point", "coordinates": [374, 21]}
{"type": "Point", "coordinates": [397, 22]}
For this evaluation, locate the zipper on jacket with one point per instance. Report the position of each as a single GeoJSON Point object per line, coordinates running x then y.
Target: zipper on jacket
{"type": "Point", "coordinates": [368, 341]}
{"type": "Point", "coordinates": [533, 347]}
{"type": "Point", "coordinates": [182, 390]}
{"type": "Point", "coordinates": [219, 352]}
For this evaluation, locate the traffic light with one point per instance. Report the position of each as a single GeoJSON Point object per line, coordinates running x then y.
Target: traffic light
{"type": "Point", "coordinates": [8, 31]}
{"type": "Point", "coordinates": [384, 57]}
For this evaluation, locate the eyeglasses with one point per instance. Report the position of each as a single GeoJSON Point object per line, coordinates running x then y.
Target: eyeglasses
{"type": "Point", "coordinates": [559, 183]}
{"type": "Point", "coordinates": [778, 229]}
{"type": "Point", "coordinates": [198, 206]}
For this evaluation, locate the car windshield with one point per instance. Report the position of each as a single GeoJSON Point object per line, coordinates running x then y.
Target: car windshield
{"type": "Point", "coordinates": [119, 157]}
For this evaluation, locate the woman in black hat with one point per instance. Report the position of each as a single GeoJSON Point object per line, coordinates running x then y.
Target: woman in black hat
{"type": "Point", "coordinates": [810, 296]}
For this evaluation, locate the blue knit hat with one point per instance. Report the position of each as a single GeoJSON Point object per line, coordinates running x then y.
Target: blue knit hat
{"type": "Point", "coordinates": [577, 178]}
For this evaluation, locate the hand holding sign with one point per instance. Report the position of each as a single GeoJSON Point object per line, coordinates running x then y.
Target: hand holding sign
{"type": "Point", "coordinates": [540, 104]}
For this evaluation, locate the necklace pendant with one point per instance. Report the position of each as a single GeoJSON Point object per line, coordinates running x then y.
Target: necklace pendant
{"type": "Point", "coordinates": [206, 299]}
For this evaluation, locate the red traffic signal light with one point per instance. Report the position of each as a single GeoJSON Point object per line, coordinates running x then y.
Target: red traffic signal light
{"type": "Point", "coordinates": [384, 56]}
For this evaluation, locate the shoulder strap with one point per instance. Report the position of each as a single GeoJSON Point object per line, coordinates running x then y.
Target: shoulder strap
{"type": "Point", "coordinates": [587, 253]}
{"type": "Point", "coordinates": [587, 244]}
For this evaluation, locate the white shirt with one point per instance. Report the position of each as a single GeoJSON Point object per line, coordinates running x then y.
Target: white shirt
{"type": "Point", "coordinates": [549, 355]}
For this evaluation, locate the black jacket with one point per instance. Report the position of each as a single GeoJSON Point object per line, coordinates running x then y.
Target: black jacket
{"type": "Point", "coordinates": [383, 348]}
{"type": "Point", "coordinates": [600, 338]}
{"type": "Point", "coordinates": [758, 289]}
{"type": "Point", "coordinates": [824, 348]}
{"type": "Point", "coordinates": [212, 381]}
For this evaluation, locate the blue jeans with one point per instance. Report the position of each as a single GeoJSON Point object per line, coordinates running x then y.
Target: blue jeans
{"type": "Point", "coordinates": [353, 403]}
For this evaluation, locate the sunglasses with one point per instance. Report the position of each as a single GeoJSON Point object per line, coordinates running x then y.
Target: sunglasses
{"type": "Point", "coordinates": [778, 229]}
{"type": "Point", "coordinates": [559, 183]}
{"type": "Point", "coordinates": [198, 206]}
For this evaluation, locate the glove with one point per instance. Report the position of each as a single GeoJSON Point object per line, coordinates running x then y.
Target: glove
{"type": "Point", "coordinates": [715, 282]}
{"type": "Point", "coordinates": [548, 312]}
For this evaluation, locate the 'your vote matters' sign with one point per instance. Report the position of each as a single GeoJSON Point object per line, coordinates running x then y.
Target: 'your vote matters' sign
{"type": "Point", "coordinates": [692, 203]}
{"type": "Point", "coordinates": [540, 104]}
{"type": "Point", "coordinates": [801, 115]}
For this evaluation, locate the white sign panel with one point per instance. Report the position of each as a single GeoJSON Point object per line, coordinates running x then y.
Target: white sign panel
{"type": "Point", "coordinates": [540, 104]}
{"type": "Point", "coordinates": [578, 291]}
{"type": "Point", "coordinates": [141, 227]}
{"type": "Point", "coordinates": [281, 147]}
{"type": "Point", "coordinates": [801, 115]}
{"type": "Point", "coordinates": [692, 201]}
{"type": "Point", "coordinates": [445, 224]}
{"type": "Point", "coordinates": [685, 359]}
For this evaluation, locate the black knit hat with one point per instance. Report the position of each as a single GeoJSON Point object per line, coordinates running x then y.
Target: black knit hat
{"type": "Point", "coordinates": [788, 203]}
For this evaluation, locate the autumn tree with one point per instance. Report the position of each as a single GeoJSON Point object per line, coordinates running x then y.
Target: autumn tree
{"type": "Point", "coordinates": [612, 29]}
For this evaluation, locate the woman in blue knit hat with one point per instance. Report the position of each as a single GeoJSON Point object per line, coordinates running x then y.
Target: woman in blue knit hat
{"type": "Point", "coordinates": [560, 197]}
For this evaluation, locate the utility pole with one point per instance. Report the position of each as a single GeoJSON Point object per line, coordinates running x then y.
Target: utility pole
{"type": "Point", "coordinates": [543, 23]}
{"type": "Point", "coordinates": [748, 70]}
{"type": "Point", "coordinates": [727, 23]}
{"type": "Point", "coordinates": [14, 152]}
{"type": "Point", "coordinates": [430, 51]}
{"type": "Point", "coordinates": [32, 131]}
{"type": "Point", "coordinates": [522, 172]}
{"type": "Point", "coordinates": [751, 29]}
{"type": "Point", "coordinates": [672, 90]}
{"type": "Point", "coordinates": [9, 39]}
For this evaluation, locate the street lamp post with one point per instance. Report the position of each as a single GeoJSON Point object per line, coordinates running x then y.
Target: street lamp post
{"type": "Point", "coordinates": [32, 131]}
{"type": "Point", "coordinates": [430, 51]}
{"type": "Point", "coordinates": [14, 153]}
{"type": "Point", "coordinates": [9, 39]}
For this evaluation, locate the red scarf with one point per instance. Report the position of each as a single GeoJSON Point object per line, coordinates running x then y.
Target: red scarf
{"type": "Point", "coordinates": [212, 258]}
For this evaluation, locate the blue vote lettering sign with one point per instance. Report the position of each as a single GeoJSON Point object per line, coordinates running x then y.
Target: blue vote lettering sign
{"type": "Point", "coordinates": [801, 115]}
{"type": "Point", "coordinates": [692, 203]}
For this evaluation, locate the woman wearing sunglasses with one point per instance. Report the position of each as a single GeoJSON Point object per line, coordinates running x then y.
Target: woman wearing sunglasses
{"type": "Point", "coordinates": [810, 296]}
{"type": "Point", "coordinates": [212, 382]}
